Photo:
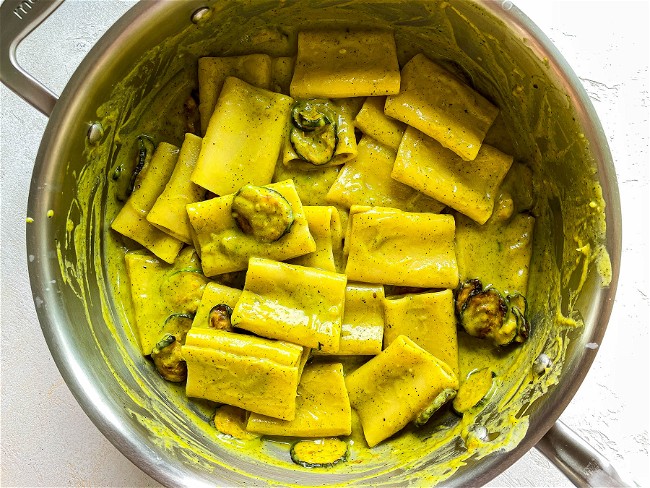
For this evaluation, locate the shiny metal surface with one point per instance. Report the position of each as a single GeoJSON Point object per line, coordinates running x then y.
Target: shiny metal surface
{"type": "Point", "coordinates": [576, 459]}
{"type": "Point", "coordinates": [143, 27]}
{"type": "Point", "coordinates": [19, 18]}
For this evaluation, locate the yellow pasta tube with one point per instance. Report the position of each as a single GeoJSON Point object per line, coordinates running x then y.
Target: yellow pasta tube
{"type": "Point", "coordinates": [293, 303]}
{"type": "Point", "coordinates": [425, 165]}
{"type": "Point", "coordinates": [281, 73]}
{"type": "Point", "coordinates": [214, 294]}
{"type": "Point", "coordinates": [169, 213]}
{"type": "Point", "coordinates": [427, 319]}
{"type": "Point", "coordinates": [367, 181]}
{"type": "Point", "coordinates": [402, 248]}
{"type": "Point", "coordinates": [325, 228]}
{"type": "Point", "coordinates": [312, 186]}
{"type": "Point", "coordinates": [391, 389]}
{"type": "Point", "coordinates": [362, 329]}
{"type": "Point", "coordinates": [373, 122]}
{"type": "Point", "coordinates": [255, 69]}
{"type": "Point", "coordinates": [154, 293]}
{"type": "Point", "coordinates": [224, 248]}
{"type": "Point", "coordinates": [249, 372]}
{"type": "Point", "coordinates": [244, 138]}
{"type": "Point", "coordinates": [322, 407]}
{"type": "Point", "coordinates": [437, 103]}
{"type": "Point", "coordinates": [339, 64]}
{"type": "Point", "coordinates": [132, 222]}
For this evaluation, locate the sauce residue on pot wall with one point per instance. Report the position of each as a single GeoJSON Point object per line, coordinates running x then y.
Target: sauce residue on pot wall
{"type": "Point", "coordinates": [541, 132]}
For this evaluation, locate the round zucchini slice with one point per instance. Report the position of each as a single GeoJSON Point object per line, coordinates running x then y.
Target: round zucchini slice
{"type": "Point", "coordinates": [474, 391]}
{"type": "Point", "coordinates": [177, 325]}
{"type": "Point", "coordinates": [314, 131]}
{"type": "Point", "coordinates": [219, 317]}
{"type": "Point", "coordinates": [167, 356]}
{"type": "Point", "coordinates": [319, 453]}
{"type": "Point", "coordinates": [262, 213]}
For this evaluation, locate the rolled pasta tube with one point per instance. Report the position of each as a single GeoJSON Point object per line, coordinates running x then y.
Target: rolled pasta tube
{"type": "Point", "coordinates": [437, 103]}
{"type": "Point", "coordinates": [223, 246]}
{"type": "Point", "coordinates": [362, 329]}
{"type": "Point", "coordinates": [132, 221]}
{"type": "Point", "coordinates": [367, 181]}
{"type": "Point", "coordinates": [281, 73]}
{"type": "Point", "coordinates": [253, 373]}
{"type": "Point", "coordinates": [169, 213]}
{"type": "Point", "coordinates": [322, 407]}
{"type": "Point", "coordinates": [372, 121]}
{"type": "Point", "coordinates": [293, 303]}
{"type": "Point", "coordinates": [255, 69]}
{"type": "Point", "coordinates": [402, 248]}
{"type": "Point", "coordinates": [391, 389]}
{"type": "Point", "coordinates": [428, 319]}
{"type": "Point", "coordinates": [244, 138]}
{"type": "Point", "coordinates": [422, 163]}
{"type": "Point", "coordinates": [325, 228]}
{"type": "Point", "coordinates": [340, 64]}
{"type": "Point", "coordinates": [154, 293]}
{"type": "Point", "coordinates": [214, 294]}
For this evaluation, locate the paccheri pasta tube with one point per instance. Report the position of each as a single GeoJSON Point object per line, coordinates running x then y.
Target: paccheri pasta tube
{"type": "Point", "coordinates": [243, 139]}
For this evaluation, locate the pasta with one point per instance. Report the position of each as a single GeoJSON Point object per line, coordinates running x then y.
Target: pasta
{"type": "Point", "coordinates": [385, 244]}
{"type": "Point", "coordinates": [255, 69]}
{"type": "Point", "coordinates": [322, 406]}
{"type": "Point", "coordinates": [306, 309]}
{"type": "Point", "coordinates": [321, 249]}
{"type": "Point", "coordinates": [367, 181]}
{"type": "Point", "coordinates": [453, 114]}
{"type": "Point", "coordinates": [222, 247]}
{"type": "Point", "coordinates": [345, 64]}
{"type": "Point", "coordinates": [169, 213]}
{"type": "Point", "coordinates": [150, 183]}
{"type": "Point", "coordinates": [243, 139]}
{"type": "Point", "coordinates": [389, 390]}
{"type": "Point", "coordinates": [425, 165]}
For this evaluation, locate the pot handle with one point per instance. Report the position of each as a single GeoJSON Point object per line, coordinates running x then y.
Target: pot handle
{"type": "Point", "coordinates": [581, 463]}
{"type": "Point", "coordinates": [18, 18]}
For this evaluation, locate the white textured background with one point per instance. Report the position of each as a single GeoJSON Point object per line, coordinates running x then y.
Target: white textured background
{"type": "Point", "coordinates": [46, 438]}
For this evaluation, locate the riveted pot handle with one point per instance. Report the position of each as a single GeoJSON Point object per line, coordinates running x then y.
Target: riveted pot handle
{"type": "Point", "coordinates": [579, 462]}
{"type": "Point", "coordinates": [18, 18]}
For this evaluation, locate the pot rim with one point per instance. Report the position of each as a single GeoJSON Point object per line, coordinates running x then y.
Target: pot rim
{"type": "Point", "coordinates": [93, 400]}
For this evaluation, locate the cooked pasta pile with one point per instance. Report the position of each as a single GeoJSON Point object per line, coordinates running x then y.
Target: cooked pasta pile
{"type": "Point", "coordinates": [334, 204]}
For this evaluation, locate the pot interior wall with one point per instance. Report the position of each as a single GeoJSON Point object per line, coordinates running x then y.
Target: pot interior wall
{"type": "Point", "coordinates": [136, 80]}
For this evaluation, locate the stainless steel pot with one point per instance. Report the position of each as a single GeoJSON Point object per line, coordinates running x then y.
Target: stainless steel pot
{"type": "Point", "coordinates": [81, 335]}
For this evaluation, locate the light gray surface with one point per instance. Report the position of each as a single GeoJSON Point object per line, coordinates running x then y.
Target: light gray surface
{"type": "Point", "coordinates": [47, 440]}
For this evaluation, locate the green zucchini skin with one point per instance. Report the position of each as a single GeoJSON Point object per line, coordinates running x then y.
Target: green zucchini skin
{"type": "Point", "coordinates": [301, 457]}
{"type": "Point", "coordinates": [443, 397]}
{"type": "Point", "coordinates": [485, 313]}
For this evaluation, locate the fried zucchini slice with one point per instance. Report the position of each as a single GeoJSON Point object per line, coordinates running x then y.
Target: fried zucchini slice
{"type": "Point", "coordinates": [168, 359]}
{"type": "Point", "coordinates": [262, 212]}
{"type": "Point", "coordinates": [319, 453]}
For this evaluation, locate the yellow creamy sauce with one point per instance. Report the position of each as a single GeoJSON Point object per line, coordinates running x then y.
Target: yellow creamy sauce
{"type": "Point", "coordinates": [160, 113]}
